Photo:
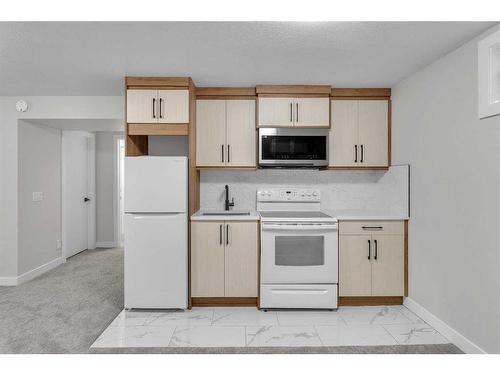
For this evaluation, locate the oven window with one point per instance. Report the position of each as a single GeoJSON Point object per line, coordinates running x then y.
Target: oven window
{"type": "Point", "coordinates": [299, 250]}
{"type": "Point", "coordinates": [286, 147]}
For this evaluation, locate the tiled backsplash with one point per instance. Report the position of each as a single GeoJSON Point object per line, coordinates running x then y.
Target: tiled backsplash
{"type": "Point", "coordinates": [385, 191]}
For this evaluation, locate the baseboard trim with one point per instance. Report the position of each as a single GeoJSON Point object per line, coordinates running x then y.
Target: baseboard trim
{"type": "Point", "coordinates": [105, 244]}
{"type": "Point", "coordinates": [466, 345]}
{"type": "Point", "coordinates": [30, 275]}
{"type": "Point", "coordinates": [8, 281]}
{"type": "Point", "coordinates": [370, 301]}
{"type": "Point", "coordinates": [224, 301]}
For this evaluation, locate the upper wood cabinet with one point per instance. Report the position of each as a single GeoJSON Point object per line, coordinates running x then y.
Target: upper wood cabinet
{"type": "Point", "coordinates": [294, 112]}
{"type": "Point", "coordinates": [371, 258]}
{"type": "Point", "coordinates": [359, 136]}
{"type": "Point", "coordinates": [157, 106]}
{"type": "Point", "coordinates": [224, 258]}
{"type": "Point", "coordinates": [225, 133]}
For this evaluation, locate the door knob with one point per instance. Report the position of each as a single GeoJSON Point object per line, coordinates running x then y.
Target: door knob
{"type": "Point", "coordinates": [86, 199]}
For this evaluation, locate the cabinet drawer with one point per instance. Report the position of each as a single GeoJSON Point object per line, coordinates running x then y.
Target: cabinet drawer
{"type": "Point", "coordinates": [371, 227]}
{"type": "Point", "coordinates": [322, 296]}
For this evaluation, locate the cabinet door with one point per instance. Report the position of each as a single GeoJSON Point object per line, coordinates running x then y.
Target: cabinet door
{"type": "Point", "coordinates": [142, 106]}
{"type": "Point", "coordinates": [207, 259]}
{"type": "Point", "coordinates": [343, 150]}
{"type": "Point", "coordinates": [275, 112]}
{"type": "Point", "coordinates": [312, 112]}
{"type": "Point", "coordinates": [210, 133]}
{"type": "Point", "coordinates": [240, 133]}
{"type": "Point", "coordinates": [355, 267]}
{"type": "Point", "coordinates": [388, 268]}
{"type": "Point", "coordinates": [241, 259]}
{"type": "Point", "coordinates": [373, 133]}
{"type": "Point", "coordinates": [173, 106]}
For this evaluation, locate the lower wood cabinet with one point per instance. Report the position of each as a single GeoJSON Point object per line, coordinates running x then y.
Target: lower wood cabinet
{"type": "Point", "coordinates": [224, 259]}
{"type": "Point", "coordinates": [371, 260]}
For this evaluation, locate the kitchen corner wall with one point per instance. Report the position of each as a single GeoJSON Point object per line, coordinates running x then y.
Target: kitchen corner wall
{"type": "Point", "coordinates": [385, 191]}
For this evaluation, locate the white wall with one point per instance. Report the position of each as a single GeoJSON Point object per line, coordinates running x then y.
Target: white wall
{"type": "Point", "coordinates": [41, 107]}
{"type": "Point", "coordinates": [39, 170]}
{"type": "Point", "coordinates": [105, 165]}
{"type": "Point", "coordinates": [454, 231]}
{"type": "Point", "coordinates": [380, 191]}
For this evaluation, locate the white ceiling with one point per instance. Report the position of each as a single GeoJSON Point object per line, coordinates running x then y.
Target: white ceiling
{"type": "Point", "coordinates": [93, 58]}
{"type": "Point", "coordinates": [104, 125]}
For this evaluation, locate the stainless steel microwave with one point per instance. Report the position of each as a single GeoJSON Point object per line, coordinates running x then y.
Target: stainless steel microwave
{"type": "Point", "coordinates": [293, 148]}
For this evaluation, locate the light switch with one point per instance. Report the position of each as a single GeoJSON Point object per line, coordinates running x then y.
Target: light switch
{"type": "Point", "coordinates": [37, 196]}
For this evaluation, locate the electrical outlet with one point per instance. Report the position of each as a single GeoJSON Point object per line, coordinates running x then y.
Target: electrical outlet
{"type": "Point", "coordinates": [58, 244]}
{"type": "Point", "coordinates": [37, 196]}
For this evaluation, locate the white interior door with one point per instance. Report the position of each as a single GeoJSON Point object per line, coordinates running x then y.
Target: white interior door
{"type": "Point", "coordinates": [78, 188]}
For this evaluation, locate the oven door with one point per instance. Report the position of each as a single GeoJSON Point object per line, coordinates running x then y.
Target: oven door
{"type": "Point", "coordinates": [299, 253]}
{"type": "Point", "coordinates": [293, 147]}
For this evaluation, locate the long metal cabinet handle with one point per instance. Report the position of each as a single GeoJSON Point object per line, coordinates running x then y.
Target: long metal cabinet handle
{"type": "Point", "coordinates": [362, 153]}
{"type": "Point", "coordinates": [355, 153]}
{"type": "Point", "coordinates": [222, 153]}
{"type": "Point", "coordinates": [227, 234]}
{"type": "Point", "coordinates": [220, 234]}
{"type": "Point", "coordinates": [296, 112]}
{"type": "Point", "coordinates": [369, 245]}
{"type": "Point", "coordinates": [228, 153]}
{"type": "Point", "coordinates": [372, 228]}
{"type": "Point", "coordinates": [376, 250]}
{"type": "Point", "coordinates": [154, 105]}
{"type": "Point", "coordinates": [291, 112]}
{"type": "Point", "coordinates": [161, 116]}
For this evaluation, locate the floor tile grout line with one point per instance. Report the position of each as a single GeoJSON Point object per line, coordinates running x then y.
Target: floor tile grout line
{"type": "Point", "coordinates": [390, 334]}
{"type": "Point", "coordinates": [319, 337]}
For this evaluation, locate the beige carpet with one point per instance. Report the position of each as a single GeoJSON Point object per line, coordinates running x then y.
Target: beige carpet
{"type": "Point", "coordinates": [66, 309]}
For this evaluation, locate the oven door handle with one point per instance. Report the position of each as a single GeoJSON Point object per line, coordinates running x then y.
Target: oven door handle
{"type": "Point", "coordinates": [300, 227]}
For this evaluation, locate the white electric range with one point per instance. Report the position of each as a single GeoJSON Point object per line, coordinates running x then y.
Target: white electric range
{"type": "Point", "coordinates": [299, 250]}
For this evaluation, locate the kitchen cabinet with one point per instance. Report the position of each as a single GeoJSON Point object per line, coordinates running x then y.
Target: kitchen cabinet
{"type": "Point", "coordinates": [241, 259]}
{"type": "Point", "coordinates": [294, 112]}
{"type": "Point", "coordinates": [157, 106]}
{"type": "Point", "coordinates": [359, 136]}
{"type": "Point", "coordinates": [371, 258]}
{"type": "Point", "coordinates": [225, 133]}
{"type": "Point", "coordinates": [207, 259]}
{"type": "Point", "coordinates": [224, 258]}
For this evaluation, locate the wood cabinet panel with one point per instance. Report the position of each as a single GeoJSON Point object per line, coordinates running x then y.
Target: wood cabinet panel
{"type": "Point", "coordinates": [207, 259]}
{"type": "Point", "coordinates": [344, 133]}
{"type": "Point", "coordinates": [373, 123]}
{"type": "Point", "coordinates": [354, 266]}
{"type": "Point", "coordinates": [210, 132]}
{"type": "Point", "coordinates": [312, 112]}
{"type": "Point", "coordinates": [140, 106]}
{"type": "Point", "coordinates": [388, 265]}
{"type": "Point", "coordinates": [240, 133]}
{"type": "Point", "coordinates": [241, 272]}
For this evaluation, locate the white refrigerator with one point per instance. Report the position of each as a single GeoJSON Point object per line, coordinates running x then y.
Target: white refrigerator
{"type": "Point", "coordinates": [156, 232]}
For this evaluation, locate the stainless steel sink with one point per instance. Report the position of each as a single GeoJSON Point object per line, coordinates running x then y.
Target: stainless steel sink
{"type": "Point", "coordinates": [226, 213]}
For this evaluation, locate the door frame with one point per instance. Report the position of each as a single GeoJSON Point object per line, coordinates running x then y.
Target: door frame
{"type": "Point", "coordinates": [91, 211]}
{"type": "Point", "coordinates": [116, 186]}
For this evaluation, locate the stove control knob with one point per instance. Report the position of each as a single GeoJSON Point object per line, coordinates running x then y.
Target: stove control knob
{"type": "Point", "coordinates": [315, 194]}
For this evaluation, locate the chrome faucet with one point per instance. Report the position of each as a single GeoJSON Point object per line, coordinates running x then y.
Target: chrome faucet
{"type": "Point", "coordinates": [227, 203]}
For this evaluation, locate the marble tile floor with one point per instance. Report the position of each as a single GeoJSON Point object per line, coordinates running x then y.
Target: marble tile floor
{"type": "Point", "coordinates": [240, 327]}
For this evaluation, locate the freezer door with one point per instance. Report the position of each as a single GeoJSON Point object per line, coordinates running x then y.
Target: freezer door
{"type": "Point", "coordinates": [155, 184]}
{"type": "Point", "coordinates": [156, 261]}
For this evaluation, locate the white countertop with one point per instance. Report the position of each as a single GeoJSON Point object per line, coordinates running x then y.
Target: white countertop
{"type": "Point", "coordinates": [364, 215]}
{"type": "Point", "coordinates": [198, 216]}
{"type": "Point", "coordinates": [338, 214]}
